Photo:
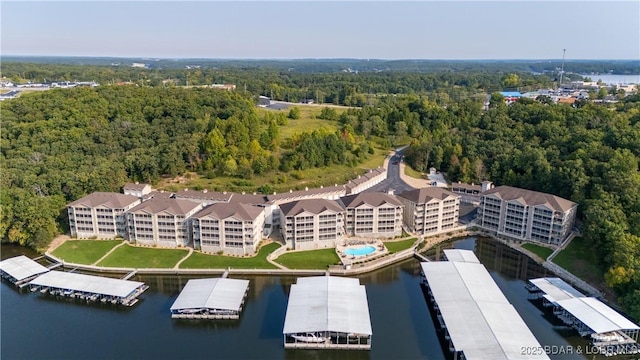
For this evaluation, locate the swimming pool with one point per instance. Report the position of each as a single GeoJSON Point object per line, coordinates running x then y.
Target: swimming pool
{"type": "Point", "coordinates": [361, 251]}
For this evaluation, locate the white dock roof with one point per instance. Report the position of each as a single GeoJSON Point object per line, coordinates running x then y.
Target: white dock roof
{"type": "Point", "coordinates": [21, 267]}
{"type": "Point", "coordinates": [596, 315]}
{"type": "Point", "coordinates": [327, 303]}
{"type": "Point", "coordinates": [87, 283]}
{"type": "Point", "coordinates": [480, 320]}
{"type": "Point", "coordinates": [218, 293]}
{"type": "Point", "coordinates": [461, 255]}
{"type": "Point", "coordinates": [556, 289]}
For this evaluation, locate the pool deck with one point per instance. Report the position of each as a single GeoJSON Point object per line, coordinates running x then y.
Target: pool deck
{"type": "Point", "coordinates": [380, 250]}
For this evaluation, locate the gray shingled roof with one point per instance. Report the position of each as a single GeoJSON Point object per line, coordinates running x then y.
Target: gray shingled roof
{"type": "Point", "coordinates": [371, 198]}
{"type": "Point", "coordinates": [312, 206]}
{"type": "Point", "coordinates": [106, 199]}
{"type": "Point", "coordinates": [531, 198]}
{"type": "Point", "coordinates": [305, 193]}
{"type": "Point", "coordinates": [171, 206]}
{"type": "Point", "coordinates": [224, 211]}
{"type": "Point", "coordinates": [253, 199]}
{"type": "Point", "coordinates": [365, 177]}
{"type": "Point", "coordinates": [134, 186]}
{"type": "Point", "coordinates": [424, 195]}
{"type": "Point", "coordinates": [203, 195]}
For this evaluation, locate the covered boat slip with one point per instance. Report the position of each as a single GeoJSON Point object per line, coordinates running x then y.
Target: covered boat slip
{"type": "Point", "coordinates": [89, 287]}
{"type": "Point", "coordinates": [551, 289]}
{"type": "Point", "coordinates": [20, 269]}
{"type": "Point", "coordinates": [218, 298]}
{"type": "Point", "coordinates": [477, 319]}
{"type": "Point", "coordinates": [610, 332]}
{"type": "Point", "coordinates": [327, 312]}
{"type": "Point", "coordinates": [459, 255]}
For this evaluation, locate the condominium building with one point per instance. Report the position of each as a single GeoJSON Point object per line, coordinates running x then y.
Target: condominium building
{"type": "Point", "coordinates": [162, 222]}
{"type": "Point", "coordinates": [312, 224]}
{"type": "Point", "coordinates": [372, 214]}
{"type": "Point", "coordinates": [100, 215]}
{"type": "Point", "coordinates": [430, 210]}
{"type": "Point", "coordinates": [232, 228]}
{"type": "Point", "coordinates": [526, 215]}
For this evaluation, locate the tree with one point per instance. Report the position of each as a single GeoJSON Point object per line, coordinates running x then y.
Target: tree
{"type": "Point", "coordinates": [294, 113]}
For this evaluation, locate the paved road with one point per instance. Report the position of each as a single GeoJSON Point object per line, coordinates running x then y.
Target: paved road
{"type": "Point", "coordinates": [393, 181]}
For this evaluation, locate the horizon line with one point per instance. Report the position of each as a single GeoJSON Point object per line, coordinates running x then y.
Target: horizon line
{"type": "Point", "coordinates": [157, 58]}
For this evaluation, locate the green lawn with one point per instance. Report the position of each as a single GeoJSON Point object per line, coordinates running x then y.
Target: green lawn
{"type": "Point", "coordinates": [139, 257]}
{"type": "Point", "coordinates": [84, 251]}
{"type": "Point", "coordinates": [313, 259]}
{"type": "Point", "coordinates": [408, 170]}
{"type": "Point", "coordinates": [396, 246]}
{"type": "Point", "coordinates": [581, 259]}
{"type": "Point", "coordinates": [541, 251]}
{"type": "Point", "coordinates": [205, 261]}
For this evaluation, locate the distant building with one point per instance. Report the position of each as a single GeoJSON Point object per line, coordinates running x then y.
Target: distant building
{"type": "Point", "coordinates": [526, 215]}
{"type": "Point", "coordinates": [232, 228]}
{"type": "Point", "coordinates": [136, 189]}
{"type": "Point", "coordinates": [510, 96]}
{"type": "Point", "coordinates": [264, 101]}
{"type": "Point", "coordinates": [312, 224]}
{"type": "Point", "coordinates": [100, 215]}
{"type": "Point", "coordinates": [430, 210]}
{"type": "Point", "coordinates": [363, 182]}
{"type": "Point", "coordinates": [372, 214]}
{"type": "Point", "coordinates": [228, 87]}
{"type": "Point", "coordinates": [139, 65]}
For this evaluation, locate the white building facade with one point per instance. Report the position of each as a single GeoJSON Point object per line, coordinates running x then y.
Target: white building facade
{"type": "Point", "coordinates": [526, 215]}
{"type": "Point", "coordinates": [312, 224]}
{"type": "Point", "coordinates": [430, 210]}
{"type": "Point", "coordinates": [231, 228]}
{"type": "Point", "coordinates": [372, 214]}
{"type": "Point", "coordinates": [161, 222]}
{"type": "Point", "coordinates": [100, 215]}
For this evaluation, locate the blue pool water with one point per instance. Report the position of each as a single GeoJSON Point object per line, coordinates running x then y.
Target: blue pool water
{"type": "Point", "coordinates": [365, 250]}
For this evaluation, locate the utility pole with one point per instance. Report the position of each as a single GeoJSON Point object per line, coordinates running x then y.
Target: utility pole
{"type": "Point", "coordinates": [564, 51]}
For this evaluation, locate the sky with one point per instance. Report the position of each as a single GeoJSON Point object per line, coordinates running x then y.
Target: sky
{"type": "Point", "coordinates": [518, 29]}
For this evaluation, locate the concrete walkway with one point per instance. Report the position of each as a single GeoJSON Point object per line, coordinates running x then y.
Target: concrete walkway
{"type": "Point", "coordinates": [177, 266]}
{"type": "Point", "coordinates": [109, 252]}
{"type": "Point", "coordinates": [413, 182]}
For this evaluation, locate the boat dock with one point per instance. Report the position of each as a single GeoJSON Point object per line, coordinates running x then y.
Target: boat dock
{"type": "Point", "coordinates": [88, 287]}
{"type": "Point", "coordinates": [609, 331]}
{"type": "Point", "coordinates": [217, 298]}
{"type": "Point", "coordinates": [20, 269]}
{"type": "Point", "coordinates": [472, 315]}
{"type": "Point", "coordinates": [129, 275]}
{"type": "Point", "coordinates": [327, 312]}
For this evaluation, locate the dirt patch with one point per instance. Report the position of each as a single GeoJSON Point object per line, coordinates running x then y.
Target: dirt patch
{"type": "Point", "coordinates": [57, 241]}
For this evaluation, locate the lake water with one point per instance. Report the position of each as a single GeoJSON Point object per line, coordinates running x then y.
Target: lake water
{"type": "Point", "coordinates": [615, 79]}
{"type": "Point", "coordinates": [39, 327]}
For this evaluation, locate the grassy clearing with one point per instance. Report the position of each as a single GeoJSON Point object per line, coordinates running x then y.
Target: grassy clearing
{"type": "Point", "coordinates": [84, 251]}
{"type": "Point", "coordinates": [581, 259]}
{"type": "Point", "coordinates": [408, 170]}
{"type": "Point", "coordinates": [204, 261]}
{"type": "Point", "coordinates": [313, 259]}
{"type": "Point", "coordinates": [138, 257]}
{"type": "Point", "coordinates": [542, 251]}
{"type": "Point", "coordinates": [308, 120]}
{"type": "Point", "coordinates": [396, 246]}
{"type": "Point", "coordinates": [279, 181]}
